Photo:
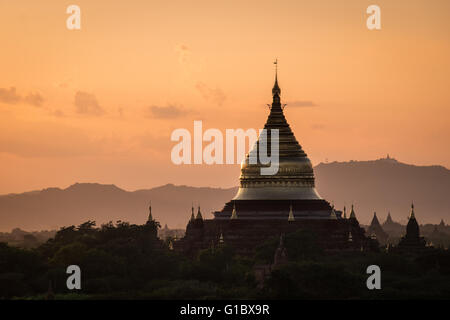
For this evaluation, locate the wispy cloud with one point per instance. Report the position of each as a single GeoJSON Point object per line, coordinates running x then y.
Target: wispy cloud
{"type": "Point", "coordinates": [216, 95]}
{"type": "Point", "coordinates": [166, 112]}
{"type": "Point", "coordinates": [34, 99]}
{"type": "Point", "coordinates": [9, 96]}
{"type": "Point", "coordinates": [86, 103]}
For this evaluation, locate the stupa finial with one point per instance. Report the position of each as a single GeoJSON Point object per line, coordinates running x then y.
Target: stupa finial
{"type": "Point", "coordinates": [412, 215]}
{"type": "Point", "coordinates": [276, 91]}
{"type": "Point", "coordinates": [150, 217]}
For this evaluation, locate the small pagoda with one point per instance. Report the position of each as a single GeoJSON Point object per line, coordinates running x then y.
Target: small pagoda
{"type": "Point", "coordinates": [412, 240]}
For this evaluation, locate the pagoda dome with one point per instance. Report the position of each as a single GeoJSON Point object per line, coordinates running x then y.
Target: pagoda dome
{"type": "Point", "coordinates": [294, 179]}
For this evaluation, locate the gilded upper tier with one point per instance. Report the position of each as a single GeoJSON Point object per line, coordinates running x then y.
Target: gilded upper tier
{"type": "Point", "coordinates": [294, 178]}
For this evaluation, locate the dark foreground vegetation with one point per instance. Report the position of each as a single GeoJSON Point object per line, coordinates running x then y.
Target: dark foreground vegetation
{"type": "Point", "coordinates": [125, 261]}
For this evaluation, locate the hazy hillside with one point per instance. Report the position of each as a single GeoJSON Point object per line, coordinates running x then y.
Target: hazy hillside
{"type": "Point", "coordinates": [379, 185]}
{"type": "Point", "coordinates": [384, 185]}
{"type": "Point", "coordinates": [54, 207]}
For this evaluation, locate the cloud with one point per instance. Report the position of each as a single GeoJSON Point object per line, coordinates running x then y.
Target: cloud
{"type": "Point", "coordinates": [214, 95]}
{"type": "Point", "coordinates": [9, 96]}
{"type": "Point", "coordinates": [86, 103]}
{"type": "Point", "coordinates": [300, 103]}
{"type": "Point", "coordinates": [34, 99]}
{"type": "Point", "coordinates": [168, 112]}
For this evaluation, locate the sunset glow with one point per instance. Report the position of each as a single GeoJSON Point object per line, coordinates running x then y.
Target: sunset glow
{"type": "Point", "coordinates": [99, 104]}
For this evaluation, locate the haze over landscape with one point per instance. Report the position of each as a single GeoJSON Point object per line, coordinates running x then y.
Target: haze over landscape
{"type": "Point", "coordinates": [383, 185]}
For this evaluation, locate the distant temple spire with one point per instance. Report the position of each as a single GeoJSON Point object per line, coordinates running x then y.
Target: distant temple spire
{"type": "Point", "coordinates": [234, 213]}
{"type": "Point", "coordinates": [150, 217]}
{"type": "Point", "coordinates": [345, 213]}
{"type": "Point", "coordinates": [412, 215]}
{"type": "Point", "coordinates": [412, 239]}
{"type": "Point", "coordinates": [352, 213]}
{"type": "Point", "coordinates": [199, 214]}
{"type": "Point", "coordinates": [375, 219]}
{"type": "Point", "coordinates": [376, 230]}
{"type": "Point", "coordinates": [192, 213]}
{"type": "Point", "coordinates": [291, 214]}
{"type": "Point", "coordinates": [389, 218]}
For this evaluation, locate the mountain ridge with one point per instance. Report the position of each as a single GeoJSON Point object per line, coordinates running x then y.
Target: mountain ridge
{"type": "Point", "coordinates": [377, 185]}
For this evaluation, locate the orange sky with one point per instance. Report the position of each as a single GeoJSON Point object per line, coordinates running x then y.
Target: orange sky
{"type": "Point", "coordinates": [99, 104]}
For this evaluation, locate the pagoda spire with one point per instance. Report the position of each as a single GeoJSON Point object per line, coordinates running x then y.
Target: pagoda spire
{"type": "Point", "coordinates": [291, 214]}
{"type": "Point", "coordinates": [352, 213]}
{"type": "Point", "coordinates": [294, 163]}
{"type": "Point", "coordinates": [276, 91]}
{"type": "Point", "coordinates": [234, 213]}
{"type": "Point", "coordinates": [192, 213]}
{"type": "Point", "coordinates": [150, 217]}
{"type": "Point", "coordinates": [412, 215]}
{"type": "Point", "coordinates": [412, 237]}
{"type": "Point", "coordinates": [345, 213]}
{"type": "Point", "coordinates": [199, 214]}
{"type": "Point", "coordinates": [389, 218]}
{"type": "Point", "coordinates": [375, 220]}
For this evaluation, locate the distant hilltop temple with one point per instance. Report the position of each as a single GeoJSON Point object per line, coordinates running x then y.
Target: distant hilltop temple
{"type": "Point", "coordinates": [267, 206]}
